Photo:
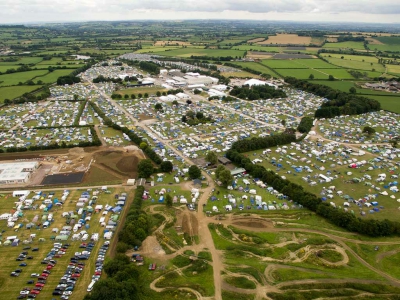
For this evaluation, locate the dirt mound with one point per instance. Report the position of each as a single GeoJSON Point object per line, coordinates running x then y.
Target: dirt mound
{"type": "Point", "coordinates": [128, 164]}
{"type": "Point", "coordinates": [252, 223]}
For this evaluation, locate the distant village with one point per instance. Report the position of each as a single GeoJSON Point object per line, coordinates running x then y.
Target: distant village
{"type": "Point", "coordinates": [390, 86]}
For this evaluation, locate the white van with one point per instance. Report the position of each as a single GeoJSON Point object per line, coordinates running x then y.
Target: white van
{"type": "Point", "coordinates": [90, 287]}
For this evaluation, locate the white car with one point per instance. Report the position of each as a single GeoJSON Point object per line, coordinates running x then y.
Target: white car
{"type": "Point", "coordinates": [67, 293]}
{"type": "Point", "coordinates": [35, 275]}
{"type": "Point", "coordinates": [24, 293]}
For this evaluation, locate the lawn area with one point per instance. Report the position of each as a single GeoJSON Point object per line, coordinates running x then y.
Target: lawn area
{"type": "Point", "coordinates": [390, 48]}
{"type": "Point", "coordinates": [23, 60]}
{"type": "Point", "coordinates": [362, 58]}
{"type": "Point", "coordinates": [52, 76]}
{"type": "Point", "coordinates": [15, 78]}
{"type": "Point", "coordinates": [343, 86]}
{"type": "Point", "coordinates": [4, 68]}
{"type": "Point", "coordinates": [52, 61]}
{"type": "Point", "coordinates": [353, 45]}
{"type": "Point", "coordinates": [11, 92]}
{"type": "Point", "coordinates": [157, 49]}
{"type": "Point", "coordinates": [188, 52]}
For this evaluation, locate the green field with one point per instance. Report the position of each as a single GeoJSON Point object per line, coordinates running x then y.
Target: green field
{"type": "Point", "coordinates": [354, 64]}
{"type": "Point", "coordinates": [314, 63]}
{"type": "Point", "coordinates": [23, 60]}
{"type": "Point", "coordinates": [141, 90]}
{"type": "Point", "coordinates": [283, 64]}
{"type": "Point", "coordinates": [388, 103]}
{"type": "Point", "coordinates": [188, 52]}
{"type": "Point", "coordinates": [52, 76]}
{"type": "Point", "coordinates": [15, 78]}
{"type": "Point", "coordinates": [258, 48]}
{"type": "Point", "coordinates": [256, 67]}
{"type": "Point", "coordinates": [11, 92]}
{"type": "Point", "coordinates": [304, 73]}
{"type": "Point", "coordinates": [352, 45]}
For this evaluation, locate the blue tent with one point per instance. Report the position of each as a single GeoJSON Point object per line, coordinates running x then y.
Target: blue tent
{"type": "Point", "coordinates": [116, 209]}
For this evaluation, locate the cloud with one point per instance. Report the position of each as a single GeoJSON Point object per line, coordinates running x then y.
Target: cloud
{"type": "Point", "coordinates": [37, 10]}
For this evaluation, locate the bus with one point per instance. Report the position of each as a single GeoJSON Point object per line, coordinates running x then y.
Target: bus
{"type": "Point", "coordinates": [90, 287]}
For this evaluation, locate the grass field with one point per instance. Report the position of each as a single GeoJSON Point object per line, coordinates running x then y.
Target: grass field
{"type": "Point", "coordinates": [11, 92]}
{"type": "Point", "coordinates": [314, 63]}
{"type": "Point", "coordinates": [11, 286]}
{"type": "Point", "coordinates": [388, 103]}
{"type": "Point", "coordinates": [258, 48]}
{"type": "Point", "coordinates": [353, 45]}
{"type": "Point", "coordinates": [241, 74]}
{"type": "Point", "coordinates": [284, 39]}
{"type": "Point", "coordinates": [24, 60]}
{"type": "Point", "coordinates": [187, 52]}
{"type": "Point", "coordinates": [15, 78]}
{"type": "Point", "coordinates": [141, 90]}
{"type": "Point", "coordinates": [354, 64]}
{"type": "Point", "coordinates": [303, 73]}
{"type": "Point", "coordinates": [283, 64]}
{"type": "Point", "coordinates": [256, 67]}
{"type": "Point", "coordinates": [393, 69]}
{"type": "Point", "coordinates": [52, 77]}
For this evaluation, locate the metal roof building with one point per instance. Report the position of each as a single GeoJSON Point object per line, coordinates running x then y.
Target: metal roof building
{"type": "Point", "coordinates": [17, 172]}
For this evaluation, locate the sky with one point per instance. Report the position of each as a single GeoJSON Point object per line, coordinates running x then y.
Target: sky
{"type": "Point", "coordinates": [368, 11]}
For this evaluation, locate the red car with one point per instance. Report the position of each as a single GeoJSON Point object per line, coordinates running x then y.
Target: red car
{"type": "Point", "coordinates": [97, 273]}
{"type": "Point", "coordinates": [44, 275]}
{"type": "Point", "coordinates": [35, 292]}
{"type": "Point", "coordinates": [76, 275]}
{"type": "Point", "coordinates": [49, 267]}
{"type": "Point", "coordinates": [39, 284]}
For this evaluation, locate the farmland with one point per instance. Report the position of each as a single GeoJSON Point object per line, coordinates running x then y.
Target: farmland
{"type": "Point", "coordinates": [245, 236]}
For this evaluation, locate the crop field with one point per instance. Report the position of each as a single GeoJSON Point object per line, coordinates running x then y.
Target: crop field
{"type": "Point", "coordinates": [11, 92]}
{"type": "Point", "coordinates": [342, 45]}
{"type": "Point", "coordinates": [285, 39]}
{"type": "Point", "coordinates": [15, 78]}
{"type": "Point", "coordinates": [11, 286]}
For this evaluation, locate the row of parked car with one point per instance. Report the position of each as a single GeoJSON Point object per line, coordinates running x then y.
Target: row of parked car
{"type": "Point", "coordinates": [99, 265]}
{"type": "Point", "coordinates": [28, 292]}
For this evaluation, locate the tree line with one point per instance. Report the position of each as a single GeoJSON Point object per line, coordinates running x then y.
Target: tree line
{"type": "Point", "coordinates": [296, 192]}
{"type": "Point", "coordinates": [149, 67]}
{"type": "Point", "coordinates": [339, 103]}
{"type": "Point", "coordinates": [132, 136]}
{"type": "Point", "coordinates": [123, 278]}
{"type": "Point", "coordinates": [257, 143]}
{"type": "Point", "coordinates": [305, 125]}
{"type": "Point", "coordinates": [257, 92]}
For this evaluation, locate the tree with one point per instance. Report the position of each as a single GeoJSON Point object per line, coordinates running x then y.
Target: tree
{"type": "Point", "coordinates": [189, 102]}
{"type": "Point", "coordinates": [194, 172]}
{"type": "Point", "coordinates": [146, 95]}
{"type": "Point", "coordinates": [199, 115]}
{"type": "Point", "coordinates": [126, 96]}
{"type": "Point", "coordinates": [311, 76]}
{"type": "Point", "coordinates": [158, 93]}
{"type": "Point", "coordinates": [225, 177]}
{"type": "Point", "coordinates": [212, 157]}
{"type": "Point", "coordinates": [143, 145]}
{"type": "Point", "coordinates": [331, 78]}
{"type": "Point", "coordinates": [158, 106]}
{"type": "Point", "coordinates": [175, 102]}
{"type": "Point", "coordinates": [196, 92]}
{"type": "Point", "coordinates": [145, 168]}
{"type": "Point", "coordinates": [352, 90]}
{"type": "Point", "coordinates": [166, 166]}
{"type": "Point", "coordinates": [184, 119]}
{"type": "Point", "coordinates": [76, 97]}
{"type": "Point", "coordinates": [140, 95]}
{"type": "Point", "coordinates": [168, 200]}
{"type": "Point", "coordinates": [283, 122]}
{"type": "Point", "coordinates": [368, 130]}
{"type": "Point", "coordinates": [133, 96]}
